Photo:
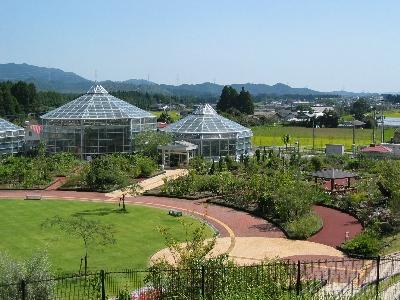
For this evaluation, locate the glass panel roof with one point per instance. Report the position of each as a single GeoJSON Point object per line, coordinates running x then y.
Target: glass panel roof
{"type": "Point", "coordinates": [206, 120]}
{"type": "Point", "coordinates": [8, 126]}
{"type": "Point", "coordinates": [97, 103]}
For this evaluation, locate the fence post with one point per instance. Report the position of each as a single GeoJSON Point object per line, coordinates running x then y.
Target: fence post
{"type": "Point", "coordinates": [103, 288]}
{"type": "Point", "coordinates": [378, 262]}
{"type": "Point", "coordinates": [298, 280]}
{"type": "Point", "coordinates": [23, 289]}
{"type": "Point", "coordinates": [203, 282]}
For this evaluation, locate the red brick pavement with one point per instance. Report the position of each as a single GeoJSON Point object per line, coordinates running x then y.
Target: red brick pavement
{"type": "Point", "coordinates": [335, 226]}
{"type": "Point", "coordinates": [242, 223]}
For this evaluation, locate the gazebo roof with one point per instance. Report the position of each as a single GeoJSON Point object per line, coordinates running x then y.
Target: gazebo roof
{"type": "Point", "coordinates": [333, 174]}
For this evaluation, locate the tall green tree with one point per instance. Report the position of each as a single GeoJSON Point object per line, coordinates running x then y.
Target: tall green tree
{"type": "Point", "coordinates": [360, 108]}
{"type": "Point", "coordinates": [228, 99]}
{"type": "Point", "coordinates": [244, 103]}
{"type": "Point", "coordinates": [8, 103]}
{"type": "Point", "coordinates": [25, 93]}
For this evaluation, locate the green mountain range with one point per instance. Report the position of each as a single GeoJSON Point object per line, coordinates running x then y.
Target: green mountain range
{"type": "Point", "coordinates": [51, 79]}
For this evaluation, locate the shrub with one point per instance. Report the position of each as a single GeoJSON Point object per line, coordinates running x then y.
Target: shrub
{"type": "Point", "coordinates": [35, 269]}
{"type": "Point", "coordinates": [145, 165]}
{"type": "Point", "coordinates": [303, 226]}
{"type": "Point", "coordinates": [366, 243]}
{"type": "Point", "coordinates": [105, 175]}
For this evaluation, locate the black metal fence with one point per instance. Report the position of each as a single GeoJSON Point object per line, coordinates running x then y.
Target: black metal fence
{"type": "Point", "coordinates": [377, 278]}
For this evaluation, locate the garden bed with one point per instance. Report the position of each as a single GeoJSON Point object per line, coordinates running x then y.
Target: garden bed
{"type": "Point", "coordinates": [158, 193]}
{"type": "Point", "coordinates": [11, 186]}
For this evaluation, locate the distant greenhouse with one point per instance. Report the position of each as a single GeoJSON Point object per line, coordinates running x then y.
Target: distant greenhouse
{"type": "Point", "coordinates": [214, 135]}
{"type": "Point", "coordinates": [95, 123]}
{"type": "Point", "coordinates": [11, 137]}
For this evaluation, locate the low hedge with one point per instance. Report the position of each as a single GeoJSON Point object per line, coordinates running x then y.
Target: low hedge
{"type": "Point", "coordinates": [365, 244]}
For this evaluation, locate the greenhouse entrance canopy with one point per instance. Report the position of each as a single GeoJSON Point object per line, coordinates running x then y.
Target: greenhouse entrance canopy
{"type": "Point", "coordinates": [177, 153]}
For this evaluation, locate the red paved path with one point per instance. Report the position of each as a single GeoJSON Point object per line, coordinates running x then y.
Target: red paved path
{"type": "Point", "coordinates": [335, 223]}
{"type": "Point", "coordinates": [335, 226]}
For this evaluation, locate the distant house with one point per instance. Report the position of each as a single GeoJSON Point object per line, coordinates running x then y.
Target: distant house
{"type": "Point", "coordinates": [377, 151]}
{"type": "Point", "coordinates": [287, 115]}
{"type": "Point", "coordinates": [321, 109]}
{"type": "Point", "coordinates": [33, 134]}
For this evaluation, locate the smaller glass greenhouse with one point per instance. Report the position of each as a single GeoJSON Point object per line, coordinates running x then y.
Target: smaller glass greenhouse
{"type": "Point", "coordinates": [12, 137]}
{"type": "Point", "coordinates": [214, 135]}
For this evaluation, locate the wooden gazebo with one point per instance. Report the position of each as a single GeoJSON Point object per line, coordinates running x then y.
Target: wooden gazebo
{"type": "Point", "coordinates": [334, 180]}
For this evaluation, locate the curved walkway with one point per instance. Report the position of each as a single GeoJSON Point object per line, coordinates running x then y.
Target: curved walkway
{"type": "Point", "coordinates": [335, 226]}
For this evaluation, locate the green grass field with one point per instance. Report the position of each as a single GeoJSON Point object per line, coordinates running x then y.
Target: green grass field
{"type": "Point", "coordinates": [174, 114]}
{"type": "Point", "coordinates": [137, 236]}
{"type": "Point", "coordinates": [268, 136]}
{"type": "Point", "coordinates": [392, 114]}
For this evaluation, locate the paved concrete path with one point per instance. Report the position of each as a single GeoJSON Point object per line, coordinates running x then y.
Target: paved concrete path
{"type": "Point", "coordinates": [153, 182]}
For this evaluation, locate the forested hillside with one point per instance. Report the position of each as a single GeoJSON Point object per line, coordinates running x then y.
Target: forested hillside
{"type": "Point", "coordinates": [20, 99]}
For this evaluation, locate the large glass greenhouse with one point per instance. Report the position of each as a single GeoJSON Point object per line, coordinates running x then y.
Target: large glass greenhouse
{"type": "Point", "coordinates": [11, 137]}
{"type": "Point", "coordinates": [214, 135]}
{"type": "Point", "coordinates": [95, 123]}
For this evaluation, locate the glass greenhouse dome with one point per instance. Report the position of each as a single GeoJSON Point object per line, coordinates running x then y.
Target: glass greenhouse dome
{"type": "Point", "coordinates": [95, 123]}
{"type": "Point", "coordinates": [214, 135]}
{"type": "Point", "coordinates": [12, 137]}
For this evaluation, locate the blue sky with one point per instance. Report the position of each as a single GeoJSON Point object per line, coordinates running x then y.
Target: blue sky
{"type": "Point", "coordinates": [324, 45]}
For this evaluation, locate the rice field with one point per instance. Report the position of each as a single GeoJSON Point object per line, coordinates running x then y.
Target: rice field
{"type": "Point", "coordinates": [272, 136]}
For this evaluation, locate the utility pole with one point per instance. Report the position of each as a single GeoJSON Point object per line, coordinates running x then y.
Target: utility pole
{"type": "Point", "coordinates": [354, 136]}
{"type": "Point", "coordinates": [373, 126]}
{"type": "Point", "coordinates": [383, 128]}
{"type": "Point", "coordinates": [313, 135]}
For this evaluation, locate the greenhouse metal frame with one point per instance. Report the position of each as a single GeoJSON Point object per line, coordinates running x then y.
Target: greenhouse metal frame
{"type": "Point", "coordinates": [95, 123]}
{"type": "Point", "coordinates": [12, 137]}
{"type": "Point", "coordinates": [214, 135]}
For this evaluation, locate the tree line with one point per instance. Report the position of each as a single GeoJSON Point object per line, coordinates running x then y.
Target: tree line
{"type": "Point", "coordinates": [20, 99]}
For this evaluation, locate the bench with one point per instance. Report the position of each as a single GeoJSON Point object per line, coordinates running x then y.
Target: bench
{"type": "Point", "coordinates": [175, 213]}
{"type": "Point", "coordinates": [33, 197]}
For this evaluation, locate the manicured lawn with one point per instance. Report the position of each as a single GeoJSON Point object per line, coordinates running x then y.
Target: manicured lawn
{"type": "Point", "coordinates": [137, 236]}
{"type": "Point", "coordinates": [268, 136]}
